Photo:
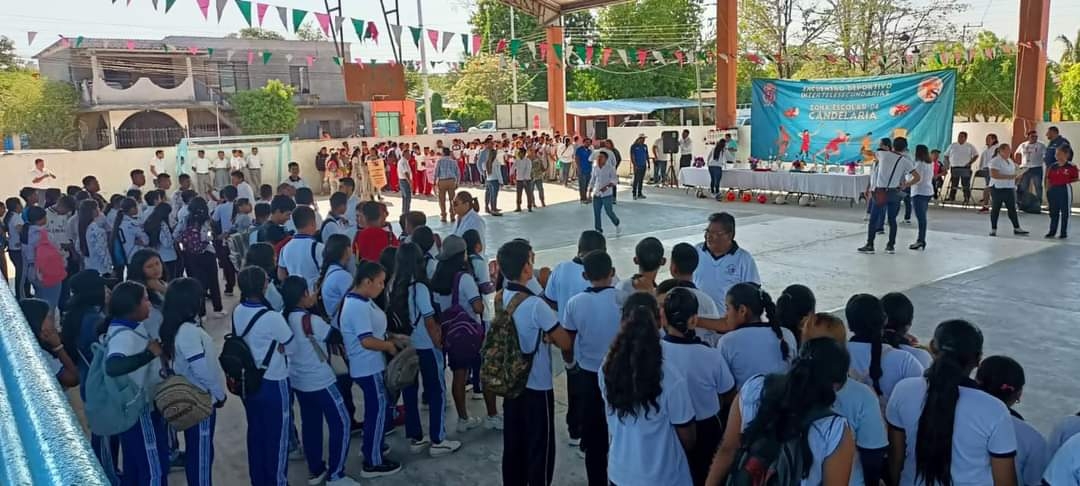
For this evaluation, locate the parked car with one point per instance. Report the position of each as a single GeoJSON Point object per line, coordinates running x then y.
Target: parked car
{"type": "Point", "coordinates": [446, 126]}
{"type": "Point", "coordinates": [484, 126]}
{"type": "Point", "coordinates": [641, 123]}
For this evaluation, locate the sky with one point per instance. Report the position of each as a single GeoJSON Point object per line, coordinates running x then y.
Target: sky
{"type": "Point", "coordinates": [103, 18]}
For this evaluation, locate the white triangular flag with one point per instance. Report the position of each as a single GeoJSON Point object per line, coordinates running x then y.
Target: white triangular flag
{"type": "Point", "coordinates": [30, 37]}
{"type": "Point", "coordinates": [622, 55]}
{"type": "Point", "coordinates": [395, 31]}
{"type": "Point", "coordinates": [338, 22]}
{"type": "Point", "coordinates": [155, 3]}
{"type": "Point", "coordinates": [288, 57]}
{"type": "Point", "coordinates": [221, 8]}
{"type": "Point", "coordinates": [283, 13]}
{"type": "Point", "coordinates": [659, 56]}
{"type": "Point", "coordinates": [532, 48]}
{"type": "Point", "coordinates": [229, 54]}
{"type": "Point", "coordinates": [446, 38]}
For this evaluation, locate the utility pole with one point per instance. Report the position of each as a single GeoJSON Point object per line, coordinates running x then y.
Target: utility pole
{"type": "Point", "coordinates": [964, 31]}
{"type": "Point", "coordinates": [424, 67]}
{"type": "Point", "coordinates": [700, 103]}
{"type": "Point", "coordinates": [513, 61]}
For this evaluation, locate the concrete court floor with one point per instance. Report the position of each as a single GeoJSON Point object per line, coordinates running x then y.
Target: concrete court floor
{"type": "Point", "coordinates": [1020, 291]}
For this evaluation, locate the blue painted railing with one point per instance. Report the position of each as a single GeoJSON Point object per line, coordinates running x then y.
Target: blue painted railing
{"type": "Point", "coordinates": [41, 442]}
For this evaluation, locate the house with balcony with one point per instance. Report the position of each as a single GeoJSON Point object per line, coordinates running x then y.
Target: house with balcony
{"type": "Point", "coordinates": [144, 93]}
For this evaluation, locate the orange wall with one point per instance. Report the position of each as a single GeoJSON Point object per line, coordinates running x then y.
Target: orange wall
{"type": "Point", "coordinates": [406, 108]}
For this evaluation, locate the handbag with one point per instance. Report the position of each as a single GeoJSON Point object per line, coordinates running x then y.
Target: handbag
{"type": "Point", "coordinates": [881, 194]}
{"type": "Point", "coordinates": [182, 404]}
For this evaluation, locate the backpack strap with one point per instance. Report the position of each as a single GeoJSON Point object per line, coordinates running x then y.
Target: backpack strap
{"type": "Point", "coordinates": [515, 302]}
{"type": "Point", "coordinates": [313, 259]}
{"type": "Point", "coordinates": [305, 323]}
{"type": "Point", "coordinates": [454, 291]}
{"type": "Point", "coordinates": [250, 323]}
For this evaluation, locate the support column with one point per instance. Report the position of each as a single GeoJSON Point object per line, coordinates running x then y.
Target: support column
{"type": "Point", "coordinates": [727, 45]}
{"type": "Point", "coordinates": [556, 82]}
{"type": "Point", "coordinates": [1029, 94]}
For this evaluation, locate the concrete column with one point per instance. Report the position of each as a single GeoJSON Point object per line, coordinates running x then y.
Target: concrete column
{"type": "Point", "coordinates": [98, 77]}
{"type": "Point", "coordinates": [1029, 95]}
{"type": "Point", "coordinates": [556, 81]}
{"type": "Point", "coordinates": [727, 43]}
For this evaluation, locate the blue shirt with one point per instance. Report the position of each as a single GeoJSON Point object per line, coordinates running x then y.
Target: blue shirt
{"type": "Point", "coordinates": [861, 407]}
{"type": "Point", "coordinates": [595, 316]}
{"type": "Point", "coordinates": [1064, 468]}
{"type": "Point", "coordinates": [1050, 157]}
{"type": "Point", "coordinates": [223, 217]}
{"type": "Point", "coordinates": [583, 154]}
{"type": "Point", "coordinates": [755, 350]}
{"type": "Point", "coordinates": [639, 154]}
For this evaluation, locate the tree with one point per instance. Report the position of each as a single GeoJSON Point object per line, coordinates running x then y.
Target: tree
{"type": "Point", "coordinates": [309, 32]}
{"type": "Point", "coordinates": [483, 76]}
{"type": "Point", "coordinates": [43, 110]}
{"type": "Point", "coordinates": [1071, 54]}
{"type": "Point", "coordinates": [472, 110]}
{"type": "Point", "coordinates": [257, 33]}
{"type": "Point", "coordinates": [769, 27]}
{"type": "Point", "coordinates": [1070, 91]}
{"type": "Point", "coordinates": [266, 110]}
{"type": "Point", "coordinates": [8, 60]}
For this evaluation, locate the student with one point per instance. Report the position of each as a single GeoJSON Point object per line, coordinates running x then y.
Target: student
{"type": "Point", "coordinates": [475, 247]}
{"type": "Point", "coordinates": [185, 346]}
{"type": "Point", "coordinates": [303, 254]}
{"type": "Point", "coordinates": [593, 319]}
{"type": "Point", "coordinates": [294, 179]}
{"type": "Point", "coordinates": [649, 257]}
{"type": "Point", "coordinates": [281, 209]}
{"type": "Point", "coordinates": [796, 303]}
{"type": "Point", "coordinates": [241, 219]}
{"type": "Point", "coordinates": [133, 352]}
{"type": "Point", "coordinates": [34, 234]}
{"type": "Point", "coordinates": [347, 185]}
{"type": "Point", "coordinates": [1003, 378]}
{"type": "Point", "coordinates": [336, 222]}
{"type": "Point", "coordinates": [363, 328]}
{"type": "Point", "coordinates": [221, 223]}
{"type": "Point", "coordinates": [262, 215]}
{"type": "Point", "coordinates": [453, 275]}
{"type": "Point", "coordinates": [942, 429]}
{"type": "Point", "coordinates": [899, 314]}
{"type": "Point", "coordinates": [266, 194]}
{"type": "Point", "coordinates": [467, 209]}
{"type": "Point", "coordinates": [649, 408]}
{"type": "Point", "coordinates": [127, 235]}
{"type": "Point", "coordinates": [707, 375]}
{"type": "Point", "coordinates": [754, 347]}
{"type": "Point", "coordinates": [262, 255]}
{"type": "Point", "coordinates": [370, 241]}
{"type": "Point", "coordinates": [425, 239]}
{"type": "Point", "coordinates": [305, 197]}
{"type": "Point", "coordinates": [146, 268]}
{"type": "Point", "coordinates": [529, 433]}
{"type": "Point", "coordinates": [315, 386]}
{"type": "Point", "coordinates": [159, 234]}
{"type": "Point", "coordinates": [780, 407]}
{"type": "Point", "coordinates": [1064, 468]}
{"type": "Point", "coordinates": [13, 222]}
{"type": "Point", "coordinates": [603, 185]}
{"type": "Point", "coordinates": [857, 403]}
{"type": "Point", "coordinates": [336, 281]}
{"type": "Point", "coordinates": [220, 167]}
{"type": "Point", "coordinates": [1059, 179]}
{"type": "Point", "coordinates": [710, 321]}
{"type": "Point", "coordinates": [268, 410]}
{"type": "Point", "coordinates": [39, 314]}
{"type": "Point", "coordinates": [872, 362]}
{"type": "Point", "coordinates": [198, 254]}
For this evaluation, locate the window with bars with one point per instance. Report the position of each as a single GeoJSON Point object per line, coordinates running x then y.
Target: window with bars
{"type": "Point", "coordinates": [300, 78]}
{"type": "Point", "coordinates": [233, 77]}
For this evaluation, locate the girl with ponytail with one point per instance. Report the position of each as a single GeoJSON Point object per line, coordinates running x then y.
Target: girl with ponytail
{"type": "Point", "coordinates": [796, 303]}
{"type": "Point", "coordinates": [650, 412]}
{"type": "Point", "coordinates": [899, 313]}
{"type": "Point", "coordinates": [943, 430]}
{"type": "Point", "coordinates": [707, 375]}
{"type": "Point", "coordinates": [754, 347]}
{"type": "Point", "coordinates": [1003, 378]}
{"type": "Point", "coordinates": [796, 406]}
{"type": "Point", "coordinates": [873, 362]}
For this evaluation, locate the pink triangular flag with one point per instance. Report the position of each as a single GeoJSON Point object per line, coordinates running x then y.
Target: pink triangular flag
{"type": "Point", "coordinates": [359, 62]}
{"type": "Point", "coordinates": [605, 55]}
{"type": "Point", "coordinates": [544, 51]}
{"type": "Point", "coordinates": [324, 22]}
{"type": "Point", "coordinates": [251, 57]}
{"type": "Point", "coordinates": [372, 32]}
{"type": "Point", "coordinates": [477, 42]}
{"type": "Point", "coordinates": [260, 10]}
{"type": "Point", "coordinates": [193, 50]}
{"type": "Point", "coordinates": [131, 45]}
{"type": "Point", "coordinates": [310, 60]}
{"type": "Point", "coordinates": [65, 42]}
{"type": "Point", "coordinates": [30, 37]}
{"type": "Point", "coordinates": [204, 7]}
{"type": "Point", "coordinates": [433, 36]}
{"type": "Point", "coordinates": [501, 46]}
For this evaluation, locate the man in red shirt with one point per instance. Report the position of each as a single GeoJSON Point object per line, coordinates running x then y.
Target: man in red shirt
{"type": "Point", "coordinates": [1060, 177]}
{"type": "Point", "coordinates": [374, 238]}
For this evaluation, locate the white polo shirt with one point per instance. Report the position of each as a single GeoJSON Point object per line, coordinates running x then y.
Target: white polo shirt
{"type": "Point", "coordinates": [193, 348]}
{"type": "Point", "coordinates": [335, 285]}
{"type": "Point", "coordinates": [686, 146]}
{"type": "Point", "coordinates": [890, 170]}
{"type": "Point", "coordinates": [1031, 154]}
{"type": "Point", "coordinates": [522, 169]}
{"type": "Point", "coordinates": [755, 350]}
{"type": "Point", "coordinates": [532, 318]}
{"type": "Point", "coordinates": [468, 293]}
{"type": "Point", "coordinates": [360, 319]}
{"type": "Point", "coordinates": [859, 404]}
{"type": "Point", "coordinates": [896, 365]}
{"type": "Point", "coordinates": [715, 275]}
{"type": "Point", "coordinates": [403, 170]}
{"type": "Point", "coordinates": [307, 371]}
{"type": "Point", "coordinates": [1064, 468]}
{"type": "Point", "coordinates": [420, 309]}
{"type": "Point", "coordinates": [1031, 453]}
{"type": "Point", "coordinates": [1005, 168]}
{"type": "Point", "coordinates": [565, 281]}
{"type": "Point", "coordinates": [1063, 430]}
{"type": "Point", "coordinates": [595, 315]}
{"type": "Point", "coordinates": [707, 374]}
{"type": "Point", "coordinates": [202, 165]}
{"type": "Point", "coordinates": [302, 256]}
{"type": "Point", "coordinates": [959, 154]}
{"type": "Point", "coordinates": [219, 163]}
{"type": "Point", "coordinates": [157, 166]}
{"type": "Point", "coordinates": [244, 190]}
{"type": "Point", "coordinates": [236, 163]}
{"type": "Point", "coordinates": [471, 220]}
{"type": "Point", "coordinates": [128, 338]}
{"type": "Point", "coordinates": [254, 162]}
{"type": "Point", "coordinates": [271, 328]}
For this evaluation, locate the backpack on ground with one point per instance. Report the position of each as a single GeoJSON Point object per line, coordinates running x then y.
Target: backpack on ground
{"type": "Point", "coordinates": [191, 240]}
{"type": "Point", "coordinates": [50, 265]}
{"type": "Point", "coordinates": [766, 461]}
{"type": "Point", "coordinates": [505, 369]}
{"type": "Point", "coordinates": [181, 403]}
{"type": "Point", "coordinates": [402, 370]}
{"type": "Point", "coordinates": [113, 404]}
{"type": "Point", "coordinates": [463, 336]}
{"type": "Point", "coordinates": [243, 376]}
{"type": "Point", "coordinates": [1028, 203]}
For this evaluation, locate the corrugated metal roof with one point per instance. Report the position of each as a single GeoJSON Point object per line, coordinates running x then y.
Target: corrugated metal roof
{"type": "Point", "coordinates": [629, 106]}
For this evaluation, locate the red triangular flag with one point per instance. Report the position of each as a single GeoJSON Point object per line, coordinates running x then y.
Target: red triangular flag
{"type": "Point", "coordinates": [641, 55]}
{"type": "Point", "coordinates": [588, 54]}
{"type": "Point", "coordinates": [544, 51]}
{"type": "Point", "coordinates": [604, 56]}
{"type": "Point", "coordinates": [501, 46]}
{"type": "Point", "coordinates": [433, 36]}
{"type": "Point", "coordinates": [477, 43]}
{"type": "Point", "coordinates": [681, 57]}
{"type": "Point", "coordinates": [324, 22]}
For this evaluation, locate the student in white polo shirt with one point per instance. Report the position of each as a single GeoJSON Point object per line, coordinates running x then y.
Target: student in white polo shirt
{"type": "Point", "coordinates": [710, 318]}
{"type": "Point", "coordinates": [203, 181]}
{"type": "Point", "coordinates": [650, 412]}
{"type": "Point", "coordinates": [899, 314]}
{"type": "Point", "coordinates": [722, 263]}
{"type": "Point", "coordinates": [529, 432]}
{"type": "Point", "coordinates": [592, 318]}
{"type": "Point", "coordinates": [942, 427]}
{"type": "Point", "coordinates": [707, 375]}
{"type": "Point", "coordinates": [754, 347]}
{"type": "Point", "coordinates": [1064, 468]}
{"type": "Point", "coordinates": [649, 257]}
{"type": "Point", "coordinates": [302, 255]}
{"type": "Point", "coordinates": [1003, 378]}
{"type": "Point", "coordinates": [363, 328]}
{"type": "Point", "coordinates": [872, 361]}
{"type": "Point", "coordinates": [315, 385]}
{"type": "Point", "coordinates": [253, 164]}
{"type": "Point", "coordinates": [336, 222]}
{"type": "Point", "coordinates": [269, 410]}
{"type": "Point", "coordinates": [777, 406]}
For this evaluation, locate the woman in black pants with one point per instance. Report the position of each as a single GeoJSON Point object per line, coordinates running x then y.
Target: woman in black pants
{"type": "Point", "coordinates": [716, 167]}
{"type": "Point", "coordinates": [1003, 189]}
{"type": "Point", "coordinates": [197, 253]}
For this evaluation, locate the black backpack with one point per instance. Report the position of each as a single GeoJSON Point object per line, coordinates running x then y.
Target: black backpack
{"type": "Point", "coordinates": [766, 461]}
{"type": "Point", "coordinates": [243, 376]}
{"type": "Point", "coordinates": [1028, 203]}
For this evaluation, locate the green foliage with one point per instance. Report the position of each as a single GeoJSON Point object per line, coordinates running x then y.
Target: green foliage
{"type": "Point", "coordinates": [8, 60]}
{"type": "Point", "coordinates": [472, 110]}
{"type": "Point", "coordinates": [43, 110]}
{"type": "Point", "coordinates": [483, 76]}
{"type": "Point", "coordinates": [266, 110]}
{"type": "Point", "coordinates": [585, 85]}
{"type": "Point", "coordinates": [310, 32]}
{"type": "Point", "coordinates": [1070, 91]}
{"type": "Point", "coordinates": [1071, 54]}
{"type": "Point", "coordinates": [257, 33]}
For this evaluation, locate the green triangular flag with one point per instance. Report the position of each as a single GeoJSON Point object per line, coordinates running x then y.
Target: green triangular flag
{"type": "Point", "coordinates": [79, 41]}
{"type": "Point", "coordinates": [245, 9]}
{"type": "Point", "coordinates": [558, 51]}
{"type": "Point", "coordinates": [165, 47]}
{"type": "Point", "coordinates": [168, 5]}
{"type": "Point", "coordinates": [298, 18]}
{"type": "Point", "coordinates": [337, 60]}
{"type": "Point", "coordinates": [266, 56]}
{"type": "Point", "coordinates": [465, 42]}
{"type": "Point", "coordinates": [515, 44]}
{"type": "Point", "coordinates": [937, 58]}
{"type": "Point", "coordinates": [580, 51]}
{"type": "Point", "coordinates": [415, 31]}
{"type": "Point", "coordinates": [360, 26]}
{"type": "Point", "coordinates": [210, 52]}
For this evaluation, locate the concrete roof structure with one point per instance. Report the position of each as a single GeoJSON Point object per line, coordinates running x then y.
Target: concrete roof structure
{"type": "Point", "coordinates": [623, 107]}
{"type": "Point", "coordinates": [547, 11]}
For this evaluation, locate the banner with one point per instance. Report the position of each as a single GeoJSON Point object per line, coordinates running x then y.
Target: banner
{"type": "Point", "coordinates": [377, 171]}
{"type": "Point", "coordinates": [840, 120]}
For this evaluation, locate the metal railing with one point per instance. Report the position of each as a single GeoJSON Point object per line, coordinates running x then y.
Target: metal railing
{"type": "Point", "coordinates": [41, 442]}
{"type": "Point", "coordinates": [148, 137]}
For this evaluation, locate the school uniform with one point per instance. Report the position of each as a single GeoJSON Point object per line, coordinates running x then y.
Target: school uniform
{"type": "Point", "coordinates": [335, 284]}
{"type": "Point", "coordinates": [896, 365]}
{"type": "Point", "coordinates": [432, 366]}
{"type": "Point", "coordinates": [529, 431]}
{"type": "Point", "coordinates": [921, 355]}
{"type": "Point", "coordinates": [481, 273]}
{"type": "Point", "coordinates": [468, 294]}
{"type": "Point", "coordinates": [1059, 178]}
{"type": "Point", "coordinates": [471, 221]}
{"type": "Point", "coordinates": [707, 377]}
{"type": "Point", "coordinates": [594, 315]}
{"type": "Point", "coordinates": [315, 386]}
{"type": "Point", "coordinates": [861, 407]}
{"type": "Point", "coordinates": [566, 281]}
{"type": "Point", "coordinates": [983, 429]}
{"type": "Point", "coordinates": [302, 256]}
{"type": "Point", "coordinates": [268, 410]}
{"type": "Point", "coordinates": [754, 350]}
{"type": "Point", "coordinates": [222, 215]}
{"type": "Point", "coordinates": [131, 237]}
{"type": "Point", "coordinates": [1063, 430]}
{"type": "Point", "coordinates": [145, 445]}
{"type": "Point", "coordinates": [716, 274]}
{"type": "Point", "coordinates": [360, 319]}
{"type": "Point", "coordinates": [166, 249]}
{"type": "Point", "coordinates": [191, 361]}
{"type": "Point", "coordinates": [1064, 468]}
{"type": "Point", "coordinates": [823, 436]}
{"type": "Point", "coordinates": [1031, 453]}
{"type": "Point", "coordinates": [645, 450]}
{"type": "Point", "coordinates": [201, 265]}
{"type": "Point", "coordinates": [335, 224]}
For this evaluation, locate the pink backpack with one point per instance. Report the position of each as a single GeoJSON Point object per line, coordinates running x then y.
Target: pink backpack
{"type": "Point", "coordinates": [48, 261]}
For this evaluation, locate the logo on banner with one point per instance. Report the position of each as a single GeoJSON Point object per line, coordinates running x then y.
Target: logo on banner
{"type": "Point", "coordinates": [930, 88]}
{"type": "Point", "coordinates": [768, 96]}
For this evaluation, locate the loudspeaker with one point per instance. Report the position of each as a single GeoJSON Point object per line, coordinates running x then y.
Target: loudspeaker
{"type": "Point", "coordinates": [671, 141]}
{"type": "Point", "coordinates": [600, 130]}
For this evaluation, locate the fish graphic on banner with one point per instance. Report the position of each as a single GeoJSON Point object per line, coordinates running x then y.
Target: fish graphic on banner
{"type": "Point", "coordinates": [838, 121]}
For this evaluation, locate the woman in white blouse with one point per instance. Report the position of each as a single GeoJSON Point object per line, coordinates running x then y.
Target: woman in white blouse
{"type": "Point", "coordinates": [987, 155]}
{"type": "Point", "coordinates": [1003, 189]}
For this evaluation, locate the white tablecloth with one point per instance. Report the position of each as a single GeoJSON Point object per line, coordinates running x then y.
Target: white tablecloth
{"type": "Point", "coordinates": [830, 185]}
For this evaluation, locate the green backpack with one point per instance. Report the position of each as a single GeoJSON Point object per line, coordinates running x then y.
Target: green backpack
{"type": "Point", "coordinates": [505, 369]}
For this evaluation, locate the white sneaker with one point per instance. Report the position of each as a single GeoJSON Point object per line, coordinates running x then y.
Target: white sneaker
{"type": "Point", "coordinates": [468, 423]}
{"type": "Point", "coordinates": [316, 480]}
{"type": "Point", "coordinates": [418, 446]}
{"type": "Point", "coordinates": [574, 442]}
{"type": "Point", "coordinates": [443, 448]}
{"type": "Point", "coordinates": [477, 396]}
{"type": "Point", "coordinates": [221, 314]}
{"type": "Point", "coordinates": [493, 422]}
{"type": "Point", "coordinates": [343, 481]}
{"type": "Point", "coordinates": [618, 230]}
